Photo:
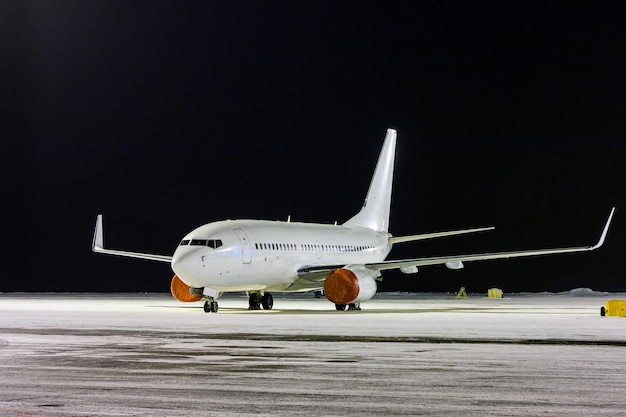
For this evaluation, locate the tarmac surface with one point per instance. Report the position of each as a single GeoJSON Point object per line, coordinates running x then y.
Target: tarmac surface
{"type": "Point", "coordinates": [403, 354]}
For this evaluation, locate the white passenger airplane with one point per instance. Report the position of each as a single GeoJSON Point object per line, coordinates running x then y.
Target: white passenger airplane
{"type": "Point", "coordinates": [259, 256]}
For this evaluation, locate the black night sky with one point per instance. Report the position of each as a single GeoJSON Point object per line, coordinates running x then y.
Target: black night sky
{"type": "Point", "coordinates": [165, 115]}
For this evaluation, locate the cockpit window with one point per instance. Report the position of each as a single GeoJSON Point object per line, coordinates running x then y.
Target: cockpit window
{"type": "Point", "coordinates": [212, 243]}
{"type": "Point", "coordinates": [184, 242]}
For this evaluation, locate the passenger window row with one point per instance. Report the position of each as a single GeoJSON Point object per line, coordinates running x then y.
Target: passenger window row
{"type": "Point", "coordinates": [312, 247]}
{"type": "Point", "coordinates": [275, 246]}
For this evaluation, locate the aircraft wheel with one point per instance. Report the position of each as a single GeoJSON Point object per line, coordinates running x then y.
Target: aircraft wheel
{"type": "Point", "coordinates": [207, 307]}
{"type": "Point", "coordinates": [267, 301]}
{"type": "Point", "coordinates": [340, 307]}
{"type": "Point", "coordinates": [602, 311]}
{"type": "Point", "coordinates": [354, 307]}
{"type": "Point", "coordinates": [214, 307]}
{"type": "Point", "coordinates": [254, 301]}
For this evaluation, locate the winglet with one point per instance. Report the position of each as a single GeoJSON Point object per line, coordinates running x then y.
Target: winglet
{"type": "Point", "coordinates": [605, 231]}
{"type": "Point", "coordinates": [98, 240]}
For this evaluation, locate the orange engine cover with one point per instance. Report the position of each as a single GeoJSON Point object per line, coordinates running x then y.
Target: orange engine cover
{"type": "Point", "coordinates": [180, 291]}
{"type": "Point", "coordinates": [341, 286]}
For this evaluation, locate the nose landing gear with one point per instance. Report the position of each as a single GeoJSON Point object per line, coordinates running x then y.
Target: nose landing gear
{"type": "Point", "coordinates": [210, 306]}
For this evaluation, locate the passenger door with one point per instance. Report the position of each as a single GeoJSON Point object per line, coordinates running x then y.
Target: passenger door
{"type": "Point", "coordinates": [246, 249]}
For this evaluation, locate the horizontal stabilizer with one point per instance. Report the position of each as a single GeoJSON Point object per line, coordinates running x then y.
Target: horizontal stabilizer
{"type": "Point", "coordinates": [98, 246]}
{"type": "Point", "coordinates": [411, 238]}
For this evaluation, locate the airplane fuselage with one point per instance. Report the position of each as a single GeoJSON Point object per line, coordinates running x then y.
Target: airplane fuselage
{"type": "Point", "coordinates": [245, 255]}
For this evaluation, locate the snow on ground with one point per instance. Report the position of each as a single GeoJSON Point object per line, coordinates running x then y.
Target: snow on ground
{"type": "Point", "coordinates": [387, 315]}
{"type": "Point", "coordinates": [404, 354]}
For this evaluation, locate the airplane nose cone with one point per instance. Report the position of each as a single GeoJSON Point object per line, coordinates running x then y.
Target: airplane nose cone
{"type": "Point", "coordinates": [179, 256]}
{"type": "Point", "coordinates": [186, 264]}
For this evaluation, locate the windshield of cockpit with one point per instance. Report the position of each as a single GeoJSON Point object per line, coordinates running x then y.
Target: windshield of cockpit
{"type": "Point", "coordinates": [212, 243]}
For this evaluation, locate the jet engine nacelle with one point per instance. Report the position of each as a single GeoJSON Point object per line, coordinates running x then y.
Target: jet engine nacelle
{"type": "Point", "coordinates": [350, 284]}
{"type": "Point", "coordinates": [181, 292]}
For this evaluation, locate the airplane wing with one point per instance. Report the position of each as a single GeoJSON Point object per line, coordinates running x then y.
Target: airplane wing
{"type": "Point", "coordinates": [315, 273]}
{"type": "Point", "coordinates": [97, 245]}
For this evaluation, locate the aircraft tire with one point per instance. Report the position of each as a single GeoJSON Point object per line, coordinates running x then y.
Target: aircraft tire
{"type": "Point", "coordinates": [267, 301]}
{"type": "Point", "coordinates": [340, 307]}
{"type": "Point", "coordinates": [214, 307]}
{"type": "Point", "coordinates": [207, 307]}
{"type": "Point", "coordinates": [254, 301]}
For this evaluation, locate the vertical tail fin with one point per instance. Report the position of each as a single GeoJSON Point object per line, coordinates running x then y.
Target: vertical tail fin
{"type": "Point", "coordinates": [375, 212]}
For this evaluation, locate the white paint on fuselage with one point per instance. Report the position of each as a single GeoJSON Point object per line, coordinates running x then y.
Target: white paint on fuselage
{"type": "Point", "coordinates": [277, 251]}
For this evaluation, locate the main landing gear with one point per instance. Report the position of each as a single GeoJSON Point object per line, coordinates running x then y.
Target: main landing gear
{"type": "Point", "coordinates": [210, 306]}
{"type": "Point", "coordinates": [351, 307]}
{"type": "Point", "coordinates": [256, 300]}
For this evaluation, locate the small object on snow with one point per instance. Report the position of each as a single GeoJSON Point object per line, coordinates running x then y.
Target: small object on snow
{"type": "Point", "coordinates": [614, 308]}
{"type": "Point", "coordinates": [461, 293]}
{"type": "Point", "coordinates": [494, 293]}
